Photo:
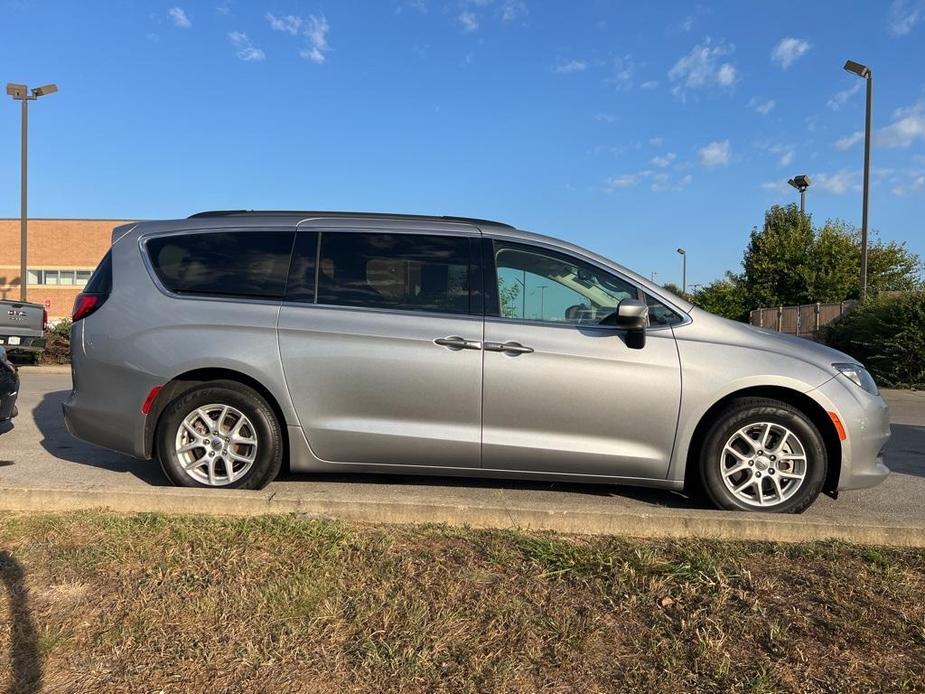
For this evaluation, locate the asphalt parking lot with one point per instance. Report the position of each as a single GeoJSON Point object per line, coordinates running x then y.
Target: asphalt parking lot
{"type": "Point", "coordinates": [39, 453]}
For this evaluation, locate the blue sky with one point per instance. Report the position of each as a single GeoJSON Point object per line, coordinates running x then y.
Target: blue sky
{"type": "Point", "coordinates": [630, 128]}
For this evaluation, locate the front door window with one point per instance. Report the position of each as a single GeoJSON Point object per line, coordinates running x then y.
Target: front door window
{"type": "Point", "coordinates": [539, 285]}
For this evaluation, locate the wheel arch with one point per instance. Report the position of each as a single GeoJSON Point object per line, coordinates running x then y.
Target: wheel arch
{"type": "Point", "coordinates": [182, 383]}
{"type": "Point", "coordinates": [812, 409]}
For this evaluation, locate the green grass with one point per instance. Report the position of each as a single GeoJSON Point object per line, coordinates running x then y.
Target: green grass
{"type": "Point", "coordinates": [103, 602]}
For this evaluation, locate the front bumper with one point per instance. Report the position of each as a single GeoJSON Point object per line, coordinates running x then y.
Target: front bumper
{"type": "Point", "coordinates": [866, 419]}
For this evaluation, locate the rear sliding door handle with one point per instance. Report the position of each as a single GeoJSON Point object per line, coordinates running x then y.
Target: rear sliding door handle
{"type": "Point", "coordinates": [455, 342]}
{"type": "Point", "coordinates": [511, 348]}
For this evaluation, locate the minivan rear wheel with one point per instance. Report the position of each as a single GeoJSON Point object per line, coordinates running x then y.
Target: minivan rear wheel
{"type": "Point", "coordinates": [221, 434]}
{"type": "Point", "coordinates": [763, 455]}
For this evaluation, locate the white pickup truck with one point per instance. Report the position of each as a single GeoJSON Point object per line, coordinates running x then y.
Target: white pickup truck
{"type": "Point", "coordinates": [22, 326]}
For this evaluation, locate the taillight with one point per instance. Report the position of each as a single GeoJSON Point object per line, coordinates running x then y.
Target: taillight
{"type": "Point", "coordinates": [44, 319]}
{"type": "Point", "coordinates": [85, 304]}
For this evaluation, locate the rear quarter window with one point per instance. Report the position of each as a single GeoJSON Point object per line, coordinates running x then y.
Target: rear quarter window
{"type": "Point", "coordinates": [100, 281]}
{"type": "Point", "coordinates": [224, 263]}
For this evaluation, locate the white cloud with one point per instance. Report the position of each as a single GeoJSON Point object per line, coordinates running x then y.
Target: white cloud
{"type": "Point", "coordinates": [715, 154]}
{"type": "Point", "coordinates": [762, 106]}
{"type": "Point", "coordinates": [702, 68]}
{"type": "Point", "coordinates": [625, 181]}
{"type": "Point", "coordinates": [907, 127]}
{"type": "Point", "coordinates": [904, 15]}
{"type": "Point", "coordinates": [839, 99]}
{"type": "Point", "coordinates": [788, 50]}
{"type": "Point", "coordinates": [649, 84]}
{"type": "Point", "coordinates": [417, 5]}
{"type": "Point", "coordinates": [245, 49]}
{"type": "Point", "coordinates": [663, 161]}
{"type": "Point", "coordinates": [726, 75]}
{"type": "Point", "coordinates": [778, 187]}
{"type": "Point", "coordinates": [662, 182]}
{"type": "Point", "coordinates": [179, 18]}
{"type": "Point", "coordinates": [290, 23]}
{"type": "Point", "coordinates": [468, 21]}
{"type": "Point", "coordinates": [656, 141]}
{"type": "Point", "coordinates": [837, 183]}
{"type": "Point", "coordinates": [786, 157]}
{"type": "Point", "coordinates": [849, 141]}
{"type": "Point", "coordinates": [316, 29]}
{"type": "Point", "coordinates": [570, 67]}
{"type": "Point", "coordinates": [622, 75]}
{"type": "Point", "coordinates": [915, 184]}
{"type": "Point", "coordinates": [513, 9]}
{"type": "Point", "coordinates": [605, 118]}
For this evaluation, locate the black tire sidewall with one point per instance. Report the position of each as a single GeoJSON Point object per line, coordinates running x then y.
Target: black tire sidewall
{"type": "Point", "coordinates": [747, 412]}
{"type": "Point", "coordinates": [269, 438]}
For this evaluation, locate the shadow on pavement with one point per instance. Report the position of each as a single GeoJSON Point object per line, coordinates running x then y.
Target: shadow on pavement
{"type": "Point", "coordinates": [25, 663]}
{"type": "Point", "coordinates": [905, 452]}
{"type": "Point", "coordinates": [58, 442]}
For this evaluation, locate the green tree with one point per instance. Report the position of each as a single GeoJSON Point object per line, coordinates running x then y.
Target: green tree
{"type": "Point", "coordinates": [788, 262]}
{"type": "Point", "coordinates": [725, 297]}
{"type": "Point", "coordinates": [778, 258]}
{"type": "Point", "coordinates": [676, 290]}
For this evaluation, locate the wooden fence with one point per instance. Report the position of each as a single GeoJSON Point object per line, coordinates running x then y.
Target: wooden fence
{"type": "Point", "coordinates": [802, 321]}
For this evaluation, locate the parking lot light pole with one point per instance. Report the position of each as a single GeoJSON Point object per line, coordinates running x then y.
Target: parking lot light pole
{"type": "Point", "coordinates": [864, 72]}
{"type": "Point", "coordinates": [20, 92]}
{"type": "Point", "coordinates": [683, 254]}
{"type": "Point", "coordinates": [801, 183]}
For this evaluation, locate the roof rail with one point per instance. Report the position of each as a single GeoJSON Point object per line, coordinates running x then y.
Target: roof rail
{"type": "Point", "coordinates": [375, 215]}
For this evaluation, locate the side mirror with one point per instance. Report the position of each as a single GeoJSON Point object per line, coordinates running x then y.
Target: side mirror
{"type": "Point", "coordinates": [632, 315]}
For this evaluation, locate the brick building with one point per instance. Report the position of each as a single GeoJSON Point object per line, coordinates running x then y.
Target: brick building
{"type": "Point", "coordinates": [62, 255]}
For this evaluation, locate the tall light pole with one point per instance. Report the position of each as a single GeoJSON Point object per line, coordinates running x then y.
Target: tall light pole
{"type": "Point", "coordinates": [864, 72]}
{"type": "Point", "coordinates": [20, 92]}
{"type": "Point", "coordinates": [683, 254]}
{"type": "Point", "coordinates": [801, 183]}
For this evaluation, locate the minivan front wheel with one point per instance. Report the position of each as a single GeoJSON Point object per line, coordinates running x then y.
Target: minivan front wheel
{"type": "Point", "coordinates": [763, 455]}
{"type": "Point", "coordinates": [220, 434]}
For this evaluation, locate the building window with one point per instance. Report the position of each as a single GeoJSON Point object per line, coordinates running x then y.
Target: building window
{"type": "Point", "coordinates": [77, 278]}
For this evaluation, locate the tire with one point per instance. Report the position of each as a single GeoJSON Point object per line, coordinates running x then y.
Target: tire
{"type": "Point", "coordinates": [763, 455]}
{"type": "Point", "coordinates": [245, 438]}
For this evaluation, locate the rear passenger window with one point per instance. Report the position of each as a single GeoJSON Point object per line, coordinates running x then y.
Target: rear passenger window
{"type": "Point", "coordinates": [410, 272]}
{"type": "Point", "coordinates": [224, 263]}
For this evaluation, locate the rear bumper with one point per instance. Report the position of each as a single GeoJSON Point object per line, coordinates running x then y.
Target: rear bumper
{"type": "Point", "coordinates": [866, 419]}
{"type": "Point", "coordinates": [25, 344]}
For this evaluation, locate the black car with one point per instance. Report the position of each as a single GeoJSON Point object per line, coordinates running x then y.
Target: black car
{"type": "Point", "coordinates": [9, 389]}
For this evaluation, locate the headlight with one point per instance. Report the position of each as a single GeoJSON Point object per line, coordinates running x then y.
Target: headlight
{"type": "Point", "coordinates": [859, 376]}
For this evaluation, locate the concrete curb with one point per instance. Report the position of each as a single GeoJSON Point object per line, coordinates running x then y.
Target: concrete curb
{"type": "Point", "coordinates": [663, 523]}
{"type": "Point", "coordinates": [53, 369]}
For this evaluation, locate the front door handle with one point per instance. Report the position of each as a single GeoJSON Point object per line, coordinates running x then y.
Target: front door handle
{"type": "Point", "coordinates": [455, 342]}
{"type": "Point", "coordinates": [511, 348]}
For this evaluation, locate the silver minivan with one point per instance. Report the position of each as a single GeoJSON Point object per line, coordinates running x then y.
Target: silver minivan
{"type": "Point", "coordinates": [231, 343]}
